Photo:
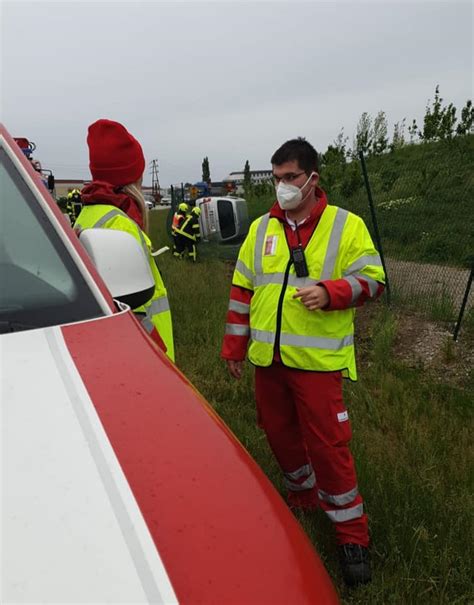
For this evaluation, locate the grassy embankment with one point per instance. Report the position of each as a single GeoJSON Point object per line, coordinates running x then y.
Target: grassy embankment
{"type": "Point", "coordinates": [412, 444]}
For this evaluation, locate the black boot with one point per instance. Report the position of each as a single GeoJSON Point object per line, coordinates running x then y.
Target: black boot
{"type": "Point", "coordinates": [355, 564]}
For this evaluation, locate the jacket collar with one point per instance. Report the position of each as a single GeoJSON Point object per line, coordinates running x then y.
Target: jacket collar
{"type": "Point", "coordinates": [100, 192]}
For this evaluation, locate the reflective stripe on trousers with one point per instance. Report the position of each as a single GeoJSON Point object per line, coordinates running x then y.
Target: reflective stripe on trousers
{"type": "Point", "coordinates": [345, 514]}
{"type": "Point", "coordinates": [291, 479]}
{"type": "Point", "coordinates": [339, 499]}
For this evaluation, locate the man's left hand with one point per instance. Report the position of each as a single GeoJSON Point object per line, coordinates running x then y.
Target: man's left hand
{"type": "Point", "coordinates": [313, 297]}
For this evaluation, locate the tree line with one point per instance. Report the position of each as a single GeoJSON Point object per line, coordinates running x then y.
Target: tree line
{"type": "Point", "coordinates": [440, 123]}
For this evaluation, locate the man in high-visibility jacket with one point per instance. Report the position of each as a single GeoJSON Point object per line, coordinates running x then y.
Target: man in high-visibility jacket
{"type": "Point", "coordinates": [188, 234]}
{"type": "Point", "coordinates": [114, 200]}
{"type": "Point", "coordinates": [178, 217]}
{"type": "Point", "coordinates": [301, 271]}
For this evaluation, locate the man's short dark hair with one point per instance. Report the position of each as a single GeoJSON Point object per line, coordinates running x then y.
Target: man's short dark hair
{"type": "Point", "coordinates": [300, 150]}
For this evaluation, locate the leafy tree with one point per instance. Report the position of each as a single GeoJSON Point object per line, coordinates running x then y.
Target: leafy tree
{"type": "Point", "coordinates": [413, 130]}
{"type": "Point", "coordinates": [340, 143]}
{"type": "Point", "coordinates": [448, 121]}
{"type": "Point", "coordinates": [364, 136]}
{"type": "Point", "coordinates": [380, 138]}
{"type": "Point", "coordinates": [333, 162]}
{"type": "Point", "coordinates": [439, 122]}
{"type": "Point", "coordinates": [247, 178]}
{"type": "Point", "coordinates": [432, 119]}
{"type": "Point", "coordinates": [352, 181]}
{"type": "Point", "coordinates": [465, 125]}
{"type": "Point", "coordinates": [206, 173]}
{"type": "Point", "coordinates": [398, 139]}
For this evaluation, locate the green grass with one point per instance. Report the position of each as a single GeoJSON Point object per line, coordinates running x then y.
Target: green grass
{"type": "Point", "coordinates": [412, 443]}
{"type": "Point", "coordinates": [423, 196]}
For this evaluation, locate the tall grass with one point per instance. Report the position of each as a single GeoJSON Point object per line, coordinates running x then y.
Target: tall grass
{"type": "Point", "coordinates": [412, 444]}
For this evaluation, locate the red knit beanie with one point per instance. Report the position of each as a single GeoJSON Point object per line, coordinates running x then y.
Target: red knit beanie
{"type": "Point", "coordinates": [114, 155]}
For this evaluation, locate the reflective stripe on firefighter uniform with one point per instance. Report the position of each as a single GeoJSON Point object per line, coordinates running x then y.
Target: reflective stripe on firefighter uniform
{"type": "Point", "coordinates": [191, 232]}
{"type": "Point", "coordinates": [157, 309]}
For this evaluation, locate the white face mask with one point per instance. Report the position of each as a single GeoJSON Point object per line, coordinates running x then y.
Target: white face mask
{"type": "Point", "coordinates": [289, 196]}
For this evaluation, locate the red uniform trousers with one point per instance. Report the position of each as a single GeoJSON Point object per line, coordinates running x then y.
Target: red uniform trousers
{"type": "Point", "coordinates": [307, 425]}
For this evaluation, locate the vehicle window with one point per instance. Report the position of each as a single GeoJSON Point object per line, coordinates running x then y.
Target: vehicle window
{"type": "Point", "coordinates": [40, 284]}
{"type": "Point", "coordinates": [225, 212]}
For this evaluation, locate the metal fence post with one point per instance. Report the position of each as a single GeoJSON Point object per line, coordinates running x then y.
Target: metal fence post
{"type": "Point", "coordinates": [375, 224]}
{"type": "Point", "coordinates": [463, 306]}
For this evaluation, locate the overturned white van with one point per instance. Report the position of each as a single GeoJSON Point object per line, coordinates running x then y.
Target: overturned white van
{"type": "Point", "coordinates": [223, 218]}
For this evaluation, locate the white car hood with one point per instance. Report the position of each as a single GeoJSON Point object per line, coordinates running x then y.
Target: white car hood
{"type": "Point", "coordinates": [71, 529]}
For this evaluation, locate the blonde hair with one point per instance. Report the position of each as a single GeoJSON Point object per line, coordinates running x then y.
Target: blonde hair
{"type": "Point", "coordinates": [134, 190]}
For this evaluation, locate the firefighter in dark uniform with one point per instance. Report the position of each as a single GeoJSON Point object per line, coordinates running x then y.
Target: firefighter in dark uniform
{"type": "Point", "coordinates": [188, 234]}
{"type": "Point", "coordinates": [73, 205]}
{"type": "Point", "coordinates": [178, 218]}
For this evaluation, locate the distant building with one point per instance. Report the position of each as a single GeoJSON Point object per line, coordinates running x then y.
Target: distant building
{"type": "Point", "coordinates": [257, 177]}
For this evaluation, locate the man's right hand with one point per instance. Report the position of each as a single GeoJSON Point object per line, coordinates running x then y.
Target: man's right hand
{"type": "Point", "coordinates": [235, 368]}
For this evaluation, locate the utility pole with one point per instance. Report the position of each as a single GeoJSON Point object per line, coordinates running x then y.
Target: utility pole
{"type": "Point", "coordinates": [155, 181]}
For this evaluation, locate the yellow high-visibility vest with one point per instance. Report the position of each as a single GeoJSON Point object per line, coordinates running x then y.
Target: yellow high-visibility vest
{"type": "Point", "coordinates": [340, 248]}
{"type": "Point", "coordinates": [157, 309]}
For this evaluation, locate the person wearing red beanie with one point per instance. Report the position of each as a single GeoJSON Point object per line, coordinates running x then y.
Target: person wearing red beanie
{"type": "Point", "coordinates": [114, 200]}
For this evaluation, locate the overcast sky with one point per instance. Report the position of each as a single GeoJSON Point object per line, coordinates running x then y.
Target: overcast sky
{"type": "Point", "coordinates": [230, 80]}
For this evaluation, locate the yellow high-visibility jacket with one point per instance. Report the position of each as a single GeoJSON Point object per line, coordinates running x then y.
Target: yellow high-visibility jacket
{"type": "Point", "coordinates": [157, 309]}
{"type": "Point", "coordinates": [340, 248]}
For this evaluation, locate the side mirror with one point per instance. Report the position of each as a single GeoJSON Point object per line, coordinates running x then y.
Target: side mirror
{"type": "Point", "coordinates": [122, 263]}
{"type": "Point", "coordinates": [51, 182]}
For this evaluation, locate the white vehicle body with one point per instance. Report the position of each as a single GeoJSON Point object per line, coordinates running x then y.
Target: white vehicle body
{"type": "Point", "coordinates": [223, 218]}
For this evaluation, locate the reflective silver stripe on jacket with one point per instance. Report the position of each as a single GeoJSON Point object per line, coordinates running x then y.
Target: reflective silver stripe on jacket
{"type": "Point", "coordinates": [345, 514]}
{"type": "Point", "coordinates": [362, 262]}
{"type": "Point", "coordinates": [259, 243]}
{"type": "Point", "coordinates": [334, 242]}
{"type": "Point", "coordinates": [372, 283]}
{"type": "Point", "coordinates": [241, 268]}
{"type": "Point", "coordinates": [263, 336]}
{"type": "Point", "coordinates": [113, 213]}
{"type": "Point", "coordinates": [142, 239]}
{"type": "Point", "coordinates": [147, 324]}
{"type": "Point", "coordinates": [356, 287]}
{"type": "Point", "coordinates": [296, 340]}
{"type": "Point", "coordinates": [107, 217]}
{"type": "Point", "coordinates": [339, 499]}
{"type": "Point", "coordinates": [316, 342]}
{"type": "Point", "coordinates": [237, 330]}
{"type": "Point", "coordinates": [158, 305]}
{"type": "Point", "coordinates": [239, 307]}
